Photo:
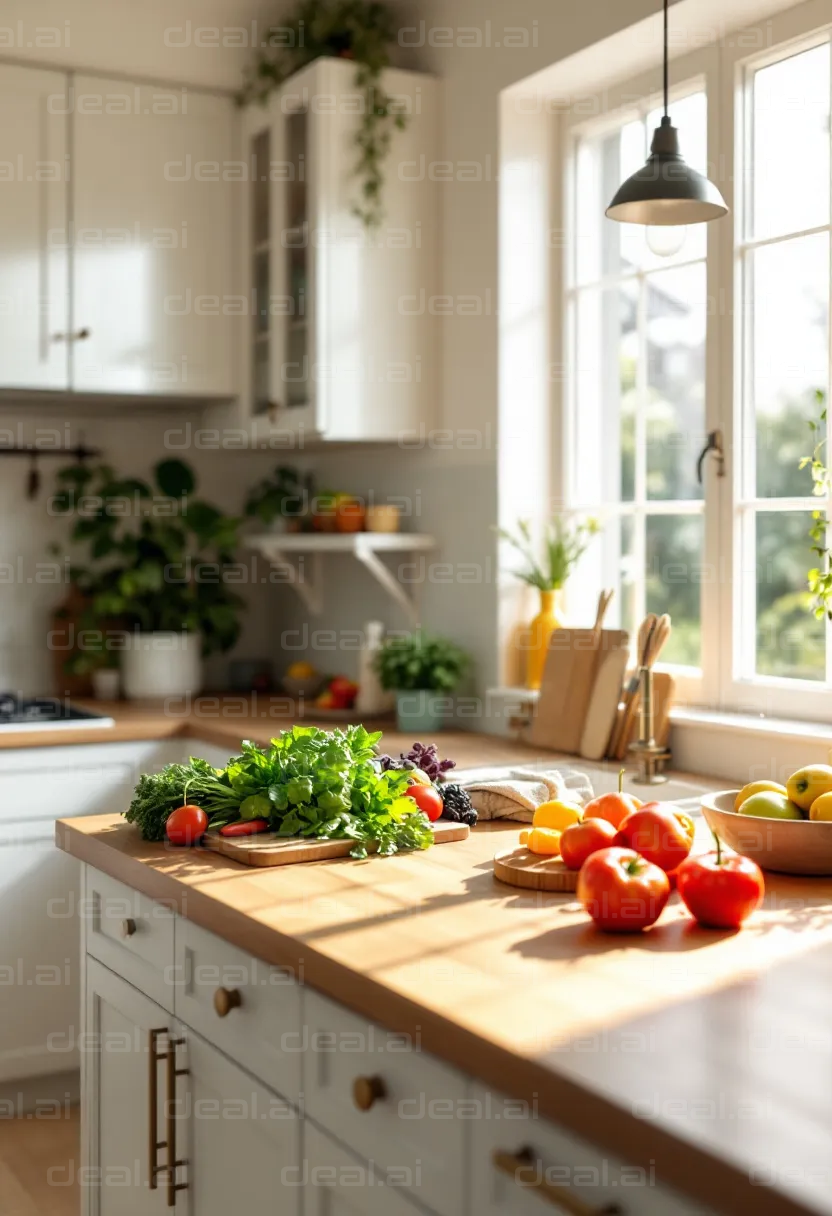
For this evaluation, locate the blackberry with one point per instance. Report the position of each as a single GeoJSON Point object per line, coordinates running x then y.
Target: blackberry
{"type": "Point", "coordinates": [457, 805]}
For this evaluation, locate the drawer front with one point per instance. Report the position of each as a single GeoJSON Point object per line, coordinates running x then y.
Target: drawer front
{"type": "Point", "coordinates": [335, 1183]}
{"type": "Point", "coordinates": [379, 1093]}
{"type": "Point", "coordinates": [521, 1165]}
{"type": "Point", "coordinates": [248, 1009]}
{"type": "Point", "coordinates": [130, 934]}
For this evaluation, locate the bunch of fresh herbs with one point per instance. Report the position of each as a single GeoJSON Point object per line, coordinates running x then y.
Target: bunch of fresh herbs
{"type": "Point", "coordinates": [564, 544]}
{"type": "Point", "coordinates": [309, 782]}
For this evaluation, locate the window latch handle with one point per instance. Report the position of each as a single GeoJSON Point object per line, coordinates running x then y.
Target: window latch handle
{"type": "Point", "coordinates": [714, 445]}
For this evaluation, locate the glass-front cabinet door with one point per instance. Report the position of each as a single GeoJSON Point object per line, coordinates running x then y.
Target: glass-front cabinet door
{"type": "Point", "coordinates": [278, 256]}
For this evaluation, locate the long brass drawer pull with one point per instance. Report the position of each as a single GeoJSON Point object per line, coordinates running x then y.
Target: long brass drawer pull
{"type": "Point", "coordinates": [173, 1162]}
{"type": "Point", "coordinates": [154, 1143]}
{"type": "Point", "coordinates": [366, 1091]}
{"type": "Point", "coordinates": [226, 999]}
{"type": "Point", "coordinates": [516, 1165]}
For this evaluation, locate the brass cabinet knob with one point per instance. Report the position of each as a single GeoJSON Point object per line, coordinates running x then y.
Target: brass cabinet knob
{"type": "Point", "coordinates": [128, 927]}
{"type": "Point", "coordinates": [226, 999]}
{"type": "Point", "coordinates": [366, 1091]}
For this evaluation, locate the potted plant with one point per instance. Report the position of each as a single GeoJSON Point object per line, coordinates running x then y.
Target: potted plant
{"type": "Point", "coordinates": [158, 561]}
{"type": "Point", "coordinates": [279, 500]}
{"type": "Point", "coordinates": [564, 544]}
{"type": "Point", "coordinates": [422, 671]}
{"type": "Point", "coordinates": [358, 30]}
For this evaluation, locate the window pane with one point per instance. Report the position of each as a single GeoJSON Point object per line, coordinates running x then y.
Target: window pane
{"type": "Point", "coordinates": [674, 562]}
{"type": "Point", "coordinates": [605, 379]}
{"type": "Point", "coordinates": [791, 144]}
{"type": "Point", "coordinates": [604, 247]}
{"type": "Point", "coordinates": [790, 285]}
{"type": "Point", "coordinates": [675, 409]}
{"type": "Point", "coordinates": [790, 642]}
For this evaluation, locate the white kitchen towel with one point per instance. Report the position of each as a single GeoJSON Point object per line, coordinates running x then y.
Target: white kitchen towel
{"type": "Point", "coordinates": [516, 793]}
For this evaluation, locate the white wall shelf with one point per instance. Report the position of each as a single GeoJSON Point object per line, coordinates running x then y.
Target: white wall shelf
{"type": "Point", "coordinates": [289, 552]}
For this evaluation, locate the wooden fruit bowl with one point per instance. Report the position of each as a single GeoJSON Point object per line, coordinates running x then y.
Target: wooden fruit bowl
{"type": "Point", "coordinates": [787, 846]}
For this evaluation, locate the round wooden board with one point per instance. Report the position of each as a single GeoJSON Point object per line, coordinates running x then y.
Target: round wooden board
{"type": "Point", "coordinates": [520, 868]}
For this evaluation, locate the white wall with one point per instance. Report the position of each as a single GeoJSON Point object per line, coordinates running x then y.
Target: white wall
{"type": "Point", "coordinates": [458, 488]}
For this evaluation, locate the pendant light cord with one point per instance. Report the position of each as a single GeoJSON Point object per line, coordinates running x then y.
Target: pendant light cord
{"type": "Point", "coordinates": [666, 58]}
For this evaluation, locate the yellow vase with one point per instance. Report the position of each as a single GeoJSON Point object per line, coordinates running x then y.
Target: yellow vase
{"type": "Point", "coordinates": [537, 638]}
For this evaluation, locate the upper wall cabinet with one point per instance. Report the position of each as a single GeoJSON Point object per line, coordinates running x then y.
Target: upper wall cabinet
{"type": "Point", "coordinates": [153, 274]}
{"type": "Point", "coordinates": [34, 175]}
{"type": "Point", "coordinates": [342, 335]}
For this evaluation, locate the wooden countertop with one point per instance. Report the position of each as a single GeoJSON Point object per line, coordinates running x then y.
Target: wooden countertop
{"type": "Point", "coordinates": [707, 1054]}
{"type": "Point", "coordinates": [226, 719]}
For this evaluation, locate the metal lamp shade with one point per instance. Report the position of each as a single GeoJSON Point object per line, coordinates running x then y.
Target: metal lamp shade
{"type": "Point", "coordinates": [666, 190]}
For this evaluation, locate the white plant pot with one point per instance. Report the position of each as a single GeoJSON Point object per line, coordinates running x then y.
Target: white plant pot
{"type": "Point", "coordinates": [106, 684]}
{"type": "Point", "coordinates": [161, 665]}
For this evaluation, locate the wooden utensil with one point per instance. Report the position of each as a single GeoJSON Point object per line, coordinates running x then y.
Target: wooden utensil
{"type": "Point", "coordinates": [268, 849]}
{"type": "Point", "coordinates": [664, 689]}
{"type": "Point", "coordinates": [652, 638]}
{"type": "Point", "coordinates": [521, 868]}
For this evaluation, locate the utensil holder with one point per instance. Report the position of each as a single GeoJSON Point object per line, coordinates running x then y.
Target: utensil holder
{"type": "Point", "coordinates": [652, 758]}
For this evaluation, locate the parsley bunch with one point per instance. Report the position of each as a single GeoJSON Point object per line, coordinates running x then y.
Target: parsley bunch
{"type": "Point", "coordinates": [309, 782]}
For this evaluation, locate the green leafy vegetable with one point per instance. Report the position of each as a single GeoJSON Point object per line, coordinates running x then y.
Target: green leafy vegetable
{"type": "Point", "coordinates": [319, 784]}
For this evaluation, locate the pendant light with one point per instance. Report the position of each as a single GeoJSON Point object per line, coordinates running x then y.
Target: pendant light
{"type": "Point", "coordinates": [667, 191]}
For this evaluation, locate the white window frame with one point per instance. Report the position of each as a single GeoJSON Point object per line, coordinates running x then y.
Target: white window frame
{"type": "Point", "coordinates": [724, 72]}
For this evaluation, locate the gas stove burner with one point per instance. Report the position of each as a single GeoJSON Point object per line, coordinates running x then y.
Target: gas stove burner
{"type": "Point", "coordinates": [24, 713]}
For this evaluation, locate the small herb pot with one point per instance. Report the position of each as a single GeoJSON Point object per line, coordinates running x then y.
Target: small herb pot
{"type": "Point", "coordinates": [419, 712]}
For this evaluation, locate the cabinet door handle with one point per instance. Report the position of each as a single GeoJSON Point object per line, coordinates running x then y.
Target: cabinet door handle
{"type": "Point", "coordinates": [154, 1143]}
{"type": "Point", "coordinates": [128, 927]}
{"type": "Point", "coordinates": [76, 335]}
{"type": "Point", "coordinates": [173, 1162]}
{"type": "Point", "coordinates": [366, 1091]}
{"type": "Point", "coordinates": [226, 999]}
{"type": "Point", "coordinates": [515, 1165]}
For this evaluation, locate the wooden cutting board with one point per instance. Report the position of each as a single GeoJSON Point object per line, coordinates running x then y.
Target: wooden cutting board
{"type": "Point", "coordinates": [269, 849]}
{"type": "Point", "coordinates": [572, 662]}
{"type": "Point", "coordinates": [521, 868]}
{"type": "Point", "coordinates": [603, 704]}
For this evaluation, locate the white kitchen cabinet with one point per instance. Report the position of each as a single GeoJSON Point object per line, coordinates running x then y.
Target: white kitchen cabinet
{"type": "Point", "coordinates": [40, 891]}
{"type": "Point", "coordinates": [238, 1144]}
{"type": "Point", "coordinates": [242, 1141]}
{"type": "Point", "coordinates": [338, 1184]}
{"type": "Point", "coordinates": [154, 301]}
{"type": "Point", "coordinates": [34, 175]}
{"type": "Point", "coordinates": [123, 1030]}
{"type": "Point", "coordinates": [342, 341]}
{"type": "Point", "coordinates": [379, 1093]}
{"type": "Point", "coordinates": [521, 1164]}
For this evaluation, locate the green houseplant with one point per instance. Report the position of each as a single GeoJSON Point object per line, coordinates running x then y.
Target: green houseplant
{"type": "Point", "coordinates": [422, 671]}
{"type": "Point", "coordinates": [563, 545]}
{"type": "Point", "coordinates": [155, 582]}
{"type": "Point", "coordinates": [278, 499]}
{"type": "Point", "coordinates": [359, 30]}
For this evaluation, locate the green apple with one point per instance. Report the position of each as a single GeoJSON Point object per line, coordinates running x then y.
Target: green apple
{"type": "Point", "coordinates": [771, 805]}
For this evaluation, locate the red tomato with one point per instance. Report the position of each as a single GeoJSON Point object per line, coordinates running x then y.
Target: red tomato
{"type": "Point", "coordinates": [427, 799]}
{"type": "Point", "coordinates": [245, 827]}
{"type": "Point", "coordinates": [580, 840]}
{"type": "Point", "coordinates": [660, 832]}
{"type": "Point", "coordinates": [720, 890]}
{"type": "Point", "coordinates": [621, 890]}
{"type": "Point", "coordinates": [186, 825]}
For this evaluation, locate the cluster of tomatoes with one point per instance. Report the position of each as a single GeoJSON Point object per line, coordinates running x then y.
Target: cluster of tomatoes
{"type": "Point", "coordinates": [630, 856]}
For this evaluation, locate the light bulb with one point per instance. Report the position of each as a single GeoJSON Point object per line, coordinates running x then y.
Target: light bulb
{"type": "Point", "coordinates": [665, 239]}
